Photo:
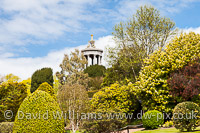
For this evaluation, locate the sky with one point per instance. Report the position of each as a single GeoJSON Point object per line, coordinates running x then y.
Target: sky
{"type": "Point", "coordinates": [37, 33]}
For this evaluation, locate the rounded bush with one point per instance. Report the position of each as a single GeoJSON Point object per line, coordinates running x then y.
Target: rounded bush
{"type": "Point", "coordinates": [152, 119]}
{"type": "Point", "coordinates": [47, 88]}
{"type": "Point", "coordinates": [186, 115]}
{"type": "Point", "coordinates": [39, 113]}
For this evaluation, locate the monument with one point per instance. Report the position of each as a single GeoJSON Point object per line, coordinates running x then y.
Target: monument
{"type": "Point", "coordinates": [92, 54]}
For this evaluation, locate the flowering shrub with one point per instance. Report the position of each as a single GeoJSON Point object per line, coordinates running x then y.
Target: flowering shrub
{"type": "Point", "coordinates": [185, 83]}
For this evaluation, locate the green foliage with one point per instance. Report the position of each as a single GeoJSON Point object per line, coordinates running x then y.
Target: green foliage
{"type": "Point", "coordinates": [152, 119]}
{"type": "Point", "coordinates": [56, 84]}
{"type": "Point", "coordinates": [152, 87]}
{"type": "Point", "coordinates": [116, 74]}
{"type": "Point", "coordinates": [115, 96]}
{"type": "Point", "coordinates": [11, 96]}
{"type": "Point", "coordinates": [91, 93]}
{"type": "Point", "coordinates": [168, 124]}
{"type": "Point", "coordinates": [40, 76]}
{"type": "Point", "coordinates": [11, 78]}
{"type": "Point", "coordinates": [95, 70]}
{"type": "Point", "coordinates": [186, 116]}
{"type": "Point", "coordinates": [95, 83]}
{"type": "Point", "coordinates": [6, 127]}
{"type": "Point", "coordinates": [28, 83]}
{"type": "Point", "coordinates": [47, 88]}
{"type": "Point", "coordinates": [102, 123]}
{"type": "Point", "coordinates": [28, 119]}
{"type": "Point", "coordinates": [136, 39]}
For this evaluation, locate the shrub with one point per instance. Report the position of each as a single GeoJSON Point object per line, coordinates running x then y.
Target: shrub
{"type": "Point", "coordinates": [6, 127]}
{"type": "Point", "coordinates": [116, 96]}
{"type": "Point", "coordinates": [47, 88]}
{"type": "Point", "coordinates": [185, 83]}
{"type": "Point", "coordinates": [95, 83]}
{"type": "Point", "coordinates": [41, 76]}
{"type": "Point", "coordinates": [11, 96]}
{"type": "Point", "coordinates": [186, 115]}
{"type": "Point", "coordinates": [152, 119]}
{"type": "Point", "coordinates": [168, 124]}
{"type": "Point", "coordinates": [152, 85]}
{"type": "Point", "coordinates": [38, 114]}
{"type": "Point", "coordinates": [91, 93]}
{"type": "Point", "coordinates": [103, 124]}
{"type": "Point", "coordinates": [95, 71]}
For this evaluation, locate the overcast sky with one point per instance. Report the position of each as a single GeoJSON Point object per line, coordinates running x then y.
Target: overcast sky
{"type": "Point", "coordinates": [37, 33]}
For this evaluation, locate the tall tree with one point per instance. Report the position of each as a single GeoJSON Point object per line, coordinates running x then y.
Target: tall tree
{"type": "Point", "coordinates": [12, 95]}
{"type": "Point", "coordinates": [40, 76]}
{"type": "Point", "coordinates": [72, 95]}
{"type": "Point", "coordinates": [137, 38]}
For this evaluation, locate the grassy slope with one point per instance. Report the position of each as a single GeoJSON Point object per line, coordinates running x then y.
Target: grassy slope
{"type": "Point", "coordinates": [168, 130]}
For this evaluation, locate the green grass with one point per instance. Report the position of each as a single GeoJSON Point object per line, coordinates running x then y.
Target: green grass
{"type": "Point", "coordinates": [167, 130]}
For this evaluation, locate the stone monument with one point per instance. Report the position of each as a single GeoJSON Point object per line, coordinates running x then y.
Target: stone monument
{"type": "Point", "coordinates": [92, 54]}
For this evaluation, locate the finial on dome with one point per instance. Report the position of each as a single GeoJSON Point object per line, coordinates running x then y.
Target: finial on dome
{"type": "Point", "coordinates": [91, 42]}
{"type": "Point", "coordinates": [91, 37]}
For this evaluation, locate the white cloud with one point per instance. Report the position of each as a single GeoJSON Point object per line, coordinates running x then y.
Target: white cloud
{"type": "Point", "coordinates": [24, 67]}
{"type": "Point", "coordinates": [33, 21]}
{"type": "Point", "coordinates": [196, 30]}
{"type": "Point", "coordinates": [127, 8]}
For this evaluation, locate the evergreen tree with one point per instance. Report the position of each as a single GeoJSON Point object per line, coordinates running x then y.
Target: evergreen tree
{"type": "Point", "coordinates": [41, 76]}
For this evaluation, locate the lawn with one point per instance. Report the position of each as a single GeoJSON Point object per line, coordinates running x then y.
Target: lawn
{"type": "Point", "coordinates": [167, 130]}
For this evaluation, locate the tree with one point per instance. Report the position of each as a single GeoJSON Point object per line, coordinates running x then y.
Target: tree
{"type": "Point", "coordinates": [72, 95]}
{"type": "Point", "coordinates": [9, 78]}
{"type": "Point", "coordinates": [152, 87]}
{"type": "Point", "coordinates": [146, 32]}
{"type": "Point", "coordinates": [11, 96]}
{"type": "Point", "coordinates": [95, 71]}
{"type": "Point", "coordinates": [185, 83]}
{"type": "Point", "coordinates": [40, 76]}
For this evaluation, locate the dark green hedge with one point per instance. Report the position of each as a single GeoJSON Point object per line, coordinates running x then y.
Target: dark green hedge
{"type": "Point", "coordinates": [95, 71]}
{"type": "Point", "coordinates": [41, 76]}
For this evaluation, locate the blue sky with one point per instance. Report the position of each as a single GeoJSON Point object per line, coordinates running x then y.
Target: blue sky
{"type": "Point", "coordinates": [37, 33]}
